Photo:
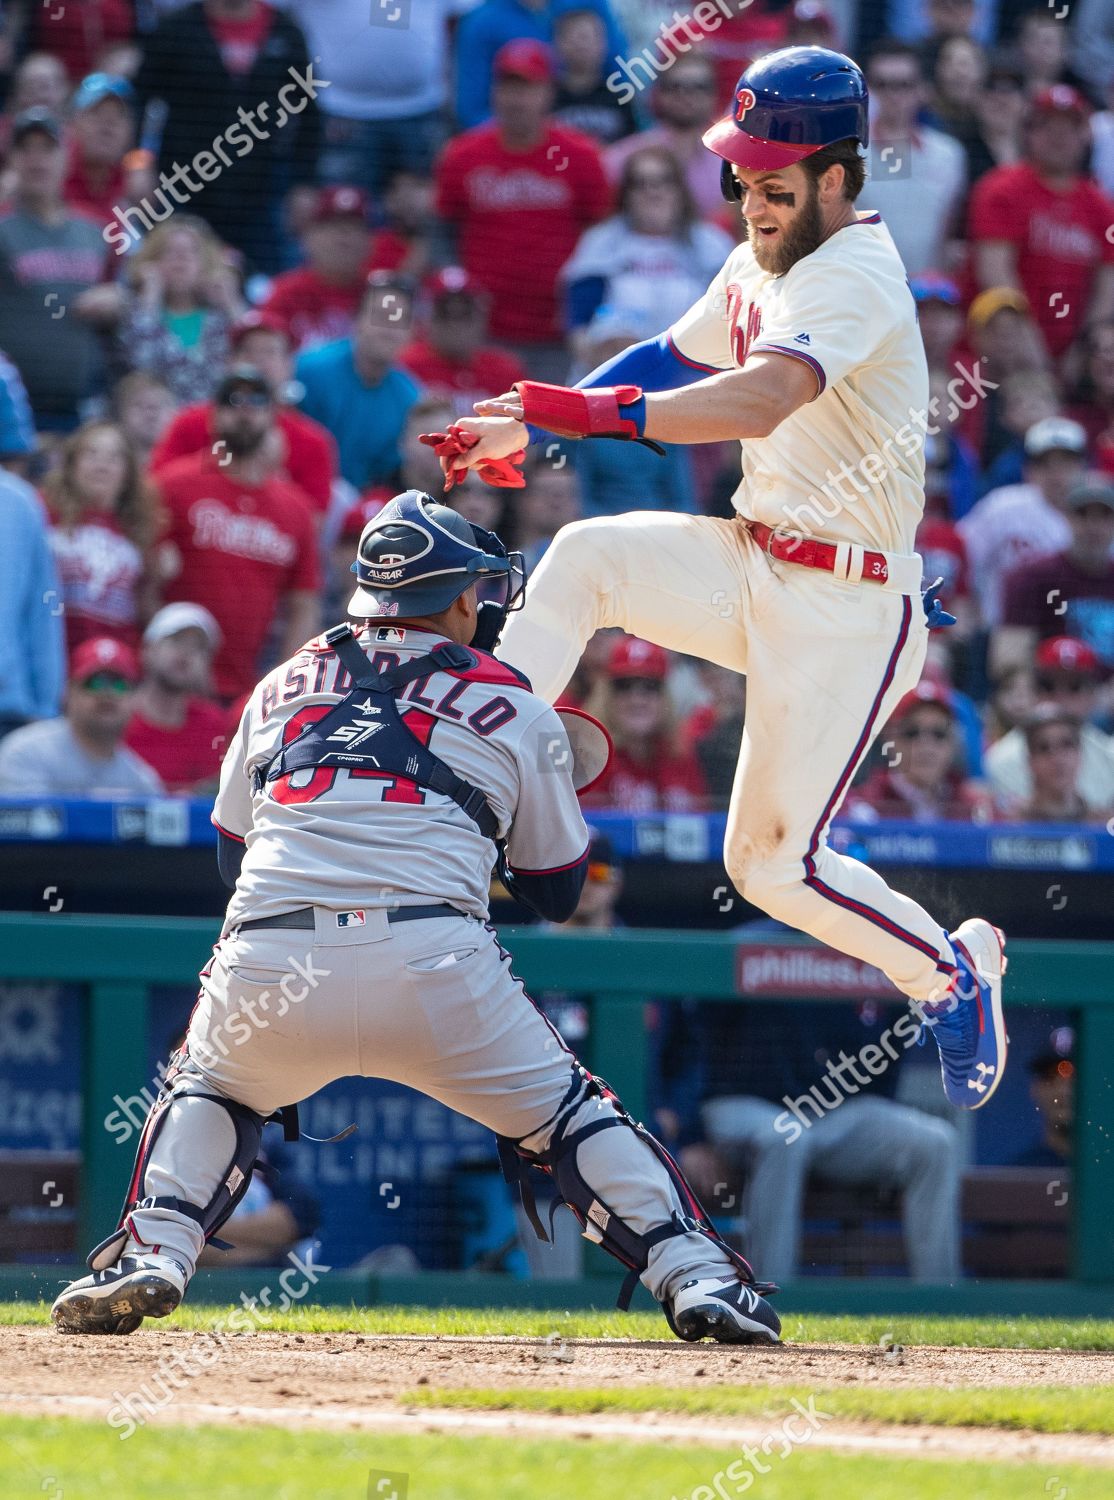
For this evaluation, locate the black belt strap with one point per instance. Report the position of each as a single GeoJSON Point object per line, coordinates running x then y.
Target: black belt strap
{"type": "Point", "coordinates": [303, 918]}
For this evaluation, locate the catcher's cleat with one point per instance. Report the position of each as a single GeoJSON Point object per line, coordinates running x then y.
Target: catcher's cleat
{"type": "Point", "coordinates": [969, 1025]}
{"type": "Point", "coordinates": [722, 1308]}
{"type": "Point", "coordinates": [118, 1299]}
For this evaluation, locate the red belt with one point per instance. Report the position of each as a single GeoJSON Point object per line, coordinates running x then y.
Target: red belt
{"type": "Point", "coordinates": [808, 553]}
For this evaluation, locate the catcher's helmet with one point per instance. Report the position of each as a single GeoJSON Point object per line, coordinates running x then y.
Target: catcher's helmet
{"type": "Point", "coordinates": [415, 557]}
{"type": "Point", "coordinates": [788, 105]}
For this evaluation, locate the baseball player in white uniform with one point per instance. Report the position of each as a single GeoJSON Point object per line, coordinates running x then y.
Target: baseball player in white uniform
{"type": "Point", "coordinates": [375, 781]}
{"type": "Point", "coordinates": [805, 348]}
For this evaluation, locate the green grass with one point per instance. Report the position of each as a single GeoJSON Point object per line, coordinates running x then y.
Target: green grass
{"type": "Point", "coordinates": [975, 1333]}
{"type": "Point", "coordinates": [1025, 1408]}
{"type": "Point", "coordinates": [53, 1459]}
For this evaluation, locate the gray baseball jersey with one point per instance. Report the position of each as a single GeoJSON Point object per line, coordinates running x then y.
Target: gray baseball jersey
{"type": "Point", "coordinates": [357, 839]}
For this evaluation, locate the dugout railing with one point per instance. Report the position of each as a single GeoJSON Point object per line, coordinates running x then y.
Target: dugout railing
{"type": "Point", "coordinates": [116, 959]}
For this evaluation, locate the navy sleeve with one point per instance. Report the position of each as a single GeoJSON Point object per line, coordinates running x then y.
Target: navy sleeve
{"type": "Point", "coordinates": [230, 856]}
{"type": "Point", "coordinates": [655, 364]}
{"type": "Point", "coordinates": [550, 894]}
{"type": "Point", "coordinates": [582, 297]}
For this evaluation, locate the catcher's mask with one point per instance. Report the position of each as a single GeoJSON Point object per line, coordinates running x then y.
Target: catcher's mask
{"type": "Point", "coordinates": [415, 557]}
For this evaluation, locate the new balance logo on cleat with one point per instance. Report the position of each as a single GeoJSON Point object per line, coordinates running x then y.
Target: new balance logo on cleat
{"type": "Point", "coordinates": [722, 1308]}
{"type": "Point", "coordinates": [116, 1300]}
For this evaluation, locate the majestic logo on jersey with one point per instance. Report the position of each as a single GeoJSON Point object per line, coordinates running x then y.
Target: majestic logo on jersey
{"type": "Point", "coordinates": [801, 338]}
{"type": "Point", "coordinates": [744, 100]}
{"type": "Point", "coordinates": [356, 733]}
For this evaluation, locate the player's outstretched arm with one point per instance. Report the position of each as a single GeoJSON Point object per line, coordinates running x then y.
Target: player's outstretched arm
{"type": "Point", "coordinates": [746, 403]}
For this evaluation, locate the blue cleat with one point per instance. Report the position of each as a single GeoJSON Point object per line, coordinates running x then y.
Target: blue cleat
{"type": "Point", "coordinates": [968, 1025]}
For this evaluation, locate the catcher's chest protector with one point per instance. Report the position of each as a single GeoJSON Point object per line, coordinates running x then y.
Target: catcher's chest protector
{"type": "Point", "coordinates": [365, 730]}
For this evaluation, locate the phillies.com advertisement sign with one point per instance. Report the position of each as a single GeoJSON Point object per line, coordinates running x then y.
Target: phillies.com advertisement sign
{"type": "Point", "coordinates": [807, 973]}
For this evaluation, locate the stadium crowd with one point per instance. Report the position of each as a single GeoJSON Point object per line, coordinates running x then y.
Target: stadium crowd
{"type": "Point", "coordinates": [250, 251]}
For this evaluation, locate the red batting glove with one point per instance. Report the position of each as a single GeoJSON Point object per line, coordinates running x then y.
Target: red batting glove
{"type": "Point", "coordinates": [503, 473]}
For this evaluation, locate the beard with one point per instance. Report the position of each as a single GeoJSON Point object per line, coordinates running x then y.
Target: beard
{"type": "Point", "coordinates": [242, 442]}
{"type": "Point", "coordinates": [804, 235]}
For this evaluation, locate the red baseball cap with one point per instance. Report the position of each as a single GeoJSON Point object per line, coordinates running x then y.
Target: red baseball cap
{"type": "Point", "coordinates": [1063, 653]}
{"type": "Point", "coordinates": [103, 654]}
{"type": "Point", "coordinates": [364, 510]}
{"type": "Point", "coordinates": [927, 692]}
{"type": "Point", "coordinates": [1061, 99]}
{"type": "Point", "coordinates": [341, 202]}
{"type": "Point", "coordinates": [525, 58]}
{"type": "Point", "coordinates": [257, 322]}
{"type": "Point", "coordinates": [454, 281]}
{"type": "Point", "coordinates": [812, 13]}
{"type": "Point", "coordinates": [631, 657]}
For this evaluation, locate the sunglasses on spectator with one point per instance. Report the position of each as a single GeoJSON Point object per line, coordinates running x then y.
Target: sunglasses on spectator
{"type": "Point", "coordinates": [257, 399]}
{"type": "Point", "coordinates": [645, 684]}
{"type": "Point", "coordinates": [694, 86]}
{"type": "Point", "coordinates": [107, 682]}
{"type": "Point", "coordinates": [904, 84]}
{"type": "Point", "coordinates": [1064, 685]}
{"type": "Point", "coordinates": [1053, 747]}
{"type": "Point", "coordinates": [658, 180]}
{"type": "Point", "coordinates": [926, 732]}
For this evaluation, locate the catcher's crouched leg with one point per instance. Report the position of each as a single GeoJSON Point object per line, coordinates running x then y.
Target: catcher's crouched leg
{"type": "Point", "coordinates": [631, 1198]}
{"type": "Point", "coordinates": [195, 1159]}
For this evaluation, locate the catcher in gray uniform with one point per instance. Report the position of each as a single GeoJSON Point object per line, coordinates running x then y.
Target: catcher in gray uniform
{"type": "Point", "coordinates": [375, 781]}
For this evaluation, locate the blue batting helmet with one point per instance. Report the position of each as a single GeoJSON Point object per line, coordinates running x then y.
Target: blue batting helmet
{"type": "Point", "coordinates": [788, 105]}
{"type": "Point", "coordinates": [415, 557]}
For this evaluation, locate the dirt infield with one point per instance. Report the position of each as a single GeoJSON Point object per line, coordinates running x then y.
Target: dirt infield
{"type": "Point", "coordinates": [364, 1382]}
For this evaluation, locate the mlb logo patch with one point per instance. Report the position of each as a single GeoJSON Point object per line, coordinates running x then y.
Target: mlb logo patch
{"type": "Point", "coordinates": [351, 919]}
{"type": "Point", "coordinates": [391, 634]}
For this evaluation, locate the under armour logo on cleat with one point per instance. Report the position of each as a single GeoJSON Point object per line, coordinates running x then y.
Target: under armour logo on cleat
{"type": "Point", "coordinates": [986, 1070]}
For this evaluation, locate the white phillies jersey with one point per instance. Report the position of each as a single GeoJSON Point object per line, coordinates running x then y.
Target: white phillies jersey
{"type": "Point", "coordinates": [349, 840]}
{"type": "Point", "coordinates": [849, 466]}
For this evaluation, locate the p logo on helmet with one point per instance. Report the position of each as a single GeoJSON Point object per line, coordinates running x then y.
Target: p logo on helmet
{"type": "Point", "coordinates": [744, 99]}
{"type": "Point", "coordinates": [787, 105]}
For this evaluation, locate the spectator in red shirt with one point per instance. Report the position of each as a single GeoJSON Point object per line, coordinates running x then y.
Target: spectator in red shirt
{"type": "Point", "coordinates": [1041, 226]}
{"type": "Point", "coordinates": [452, 358]}
{"type": "Point", "coordinates": [104, 525]}
{"type": "Point", "coordinates": [1064, 593]}
{"type": "Point", "coordinates": [241, 540]}
{"type": "Point", "coordinates": [318, 301]}
{"type": "Point", "coordinates": [919, 780]}
{"type": "Point", "coordinates": [175, 727]}
{"type": "Point", "coordinates": [648, 772]}
{"type": "Point", "coordinates": [519, 191]}
{"type": "Point", "coordinates": [102, 132]}
{"type": "Point", "coordinates": [310, 455]}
